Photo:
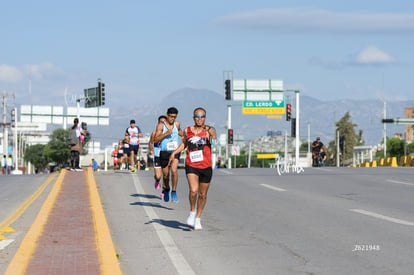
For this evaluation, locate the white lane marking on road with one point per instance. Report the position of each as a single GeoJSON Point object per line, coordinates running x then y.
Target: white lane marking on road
{"type": "Point", "coordinates": [177, 259]}
{"type": "Point", "coordinates": [273, 187]}
{"type": "Point", "coordinates": [5, 243]}
{"type": "Point", "coordinates": [400, 182]}
{"type": "Point", "coordinates": [325, 169]}
{"type": "Point", "coordinates": [225, 171]}
{"type": "Point", "coordinates": [382, 217]}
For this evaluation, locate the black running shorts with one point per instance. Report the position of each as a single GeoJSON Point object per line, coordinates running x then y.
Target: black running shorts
{"type": "Point", "coordinates": [204, 175]}
{"type": "Point", "coordinates": [165, 158]}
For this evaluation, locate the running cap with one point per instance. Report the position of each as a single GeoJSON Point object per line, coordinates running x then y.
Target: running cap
{"type": "Point", "coordinates": [132, 121]}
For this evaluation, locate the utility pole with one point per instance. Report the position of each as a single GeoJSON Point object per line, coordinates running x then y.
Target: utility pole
{"type": "Point", "coordinates": [385, 130]}
{"type": "Point", "coordinates": [309, 140]}
{"type": "Point", "coordinates": [5, 95]}
{"type": "Point", "coordinates": [338, 151]}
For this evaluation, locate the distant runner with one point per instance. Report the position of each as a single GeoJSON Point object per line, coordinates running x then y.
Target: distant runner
{"type": "Point", "coordinates": [134, 133]}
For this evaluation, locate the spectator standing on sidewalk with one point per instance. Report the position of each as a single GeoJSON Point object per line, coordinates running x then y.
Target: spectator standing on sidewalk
{"type": "Point", "coordinates": [76, 149]}
{"type": "Point", "coordinates": [95, 165]}
{"type": "Point", "coordinates": [198, 140]}
{"type": "Point", "coordinates": [3, 165]}
{"type": "Point", "coordinates": [9, 164]}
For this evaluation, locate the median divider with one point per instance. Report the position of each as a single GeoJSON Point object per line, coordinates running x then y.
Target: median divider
{"type": "Point", "coordinates": [407, 161]}
{"type": "Point", "coordinates": [71, 223]}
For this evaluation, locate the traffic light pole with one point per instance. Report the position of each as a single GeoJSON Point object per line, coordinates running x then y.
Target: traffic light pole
{"type": "Point", "coordinates": [398, 120]}
{"type": "Point", "coordinates": [297, 129]}
{"type": "Point", "coordinates": [228, 145]}
{"type": "Point", "coordinates": [227, 77]}
{"type": "Point", "coordinates": [297, 114]}
{"type": "Point", "coordinates": [78, 108]}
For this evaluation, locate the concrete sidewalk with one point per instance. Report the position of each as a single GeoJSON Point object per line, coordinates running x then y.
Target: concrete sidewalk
{"type": "Point", "coordinates": [70, 234]}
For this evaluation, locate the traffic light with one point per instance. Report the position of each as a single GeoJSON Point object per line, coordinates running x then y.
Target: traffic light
{"type": "Point", "coordinates": [230, 136]}
{"type": "Point", "coordinates": [101, 93]}
{"type": "Point", "coordinates": [288, 111]}
{"type": "Point", "coordinates": [227, 89]}
{"type": "Point", "coordinates": [13, 117]}
{"type": "Point", "coordinates": [293, 127]}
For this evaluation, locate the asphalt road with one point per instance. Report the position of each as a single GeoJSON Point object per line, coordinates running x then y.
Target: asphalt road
{"type": "Point", "coordinates": [20, 202]}
{"type": "Point", "coordinates": [320, 221]}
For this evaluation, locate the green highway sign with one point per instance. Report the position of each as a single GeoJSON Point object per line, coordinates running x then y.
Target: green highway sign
{"type": "Point", "coordinates": [91, 97]}
{"type": "Point", "coordinates": [263, 104]}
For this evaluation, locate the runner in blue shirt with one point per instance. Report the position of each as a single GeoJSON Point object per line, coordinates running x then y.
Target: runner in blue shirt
{"type": "Point", "coordinates": [169, 134]}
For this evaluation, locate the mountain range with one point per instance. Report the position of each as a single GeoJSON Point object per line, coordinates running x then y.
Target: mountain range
{"type": "Point", "coordinates": [317, 117]}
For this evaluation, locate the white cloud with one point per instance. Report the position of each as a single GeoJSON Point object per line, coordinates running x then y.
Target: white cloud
{"type": "Point", "coordinates": [38, 72]}
{"type": "Point", "coordinates": [373, 55]}
{"type": "Point", "coordinates": [10, 74]}
{"type": "Point", "coordinates": [319, 20]}
{"type": "Point", "coordinates": [43, 71]}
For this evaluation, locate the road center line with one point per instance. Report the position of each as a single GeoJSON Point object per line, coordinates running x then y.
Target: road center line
{"type": "Point", "coordinates": [167, 241]}
{"type": "Point", "coordinates": [382, 217]}
{"type": "Point", "coordinates": [273, 187]}
{"type": "Point", "coordinates": [401, 182]}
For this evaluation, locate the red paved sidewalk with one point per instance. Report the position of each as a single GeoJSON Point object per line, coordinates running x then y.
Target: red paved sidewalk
{"type": "Point", "coordinates": [67, 244]}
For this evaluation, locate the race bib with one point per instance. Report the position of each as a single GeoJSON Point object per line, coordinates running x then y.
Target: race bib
{"type": "Point", "coordinates": [196, 156]}
{"type": "Point", "coordinates": [172, 145]}
{"type": "Point", "coordinates": [126, 145]}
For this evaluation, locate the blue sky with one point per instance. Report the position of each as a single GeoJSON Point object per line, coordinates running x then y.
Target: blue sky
{"type": "Point", "coordinates": [144, 50]}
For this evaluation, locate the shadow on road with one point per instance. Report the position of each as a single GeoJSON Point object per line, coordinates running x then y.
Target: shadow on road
{"type": "Point", "coordinates": [146, 196]}
{"type": "Point", "coordinates": [172, 224]}
{"type": "Point", "coordinates": [150, 204]}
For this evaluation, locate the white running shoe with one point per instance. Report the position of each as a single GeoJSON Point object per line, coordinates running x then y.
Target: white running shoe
{"type": "Point", "coordinates": [197, 225]}
{"type": "Point", "coordinates": [191, 219]}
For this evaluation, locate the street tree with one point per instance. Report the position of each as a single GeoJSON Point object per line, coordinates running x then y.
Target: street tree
{"type": "Point", "coordinates": [395, 147]}
{"type": "Point", "coordinates": [57, 148]}
{"type": "Point", "coordinates": [35, 154]}
{"type": "Point", "coordinates": [347, 137]}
